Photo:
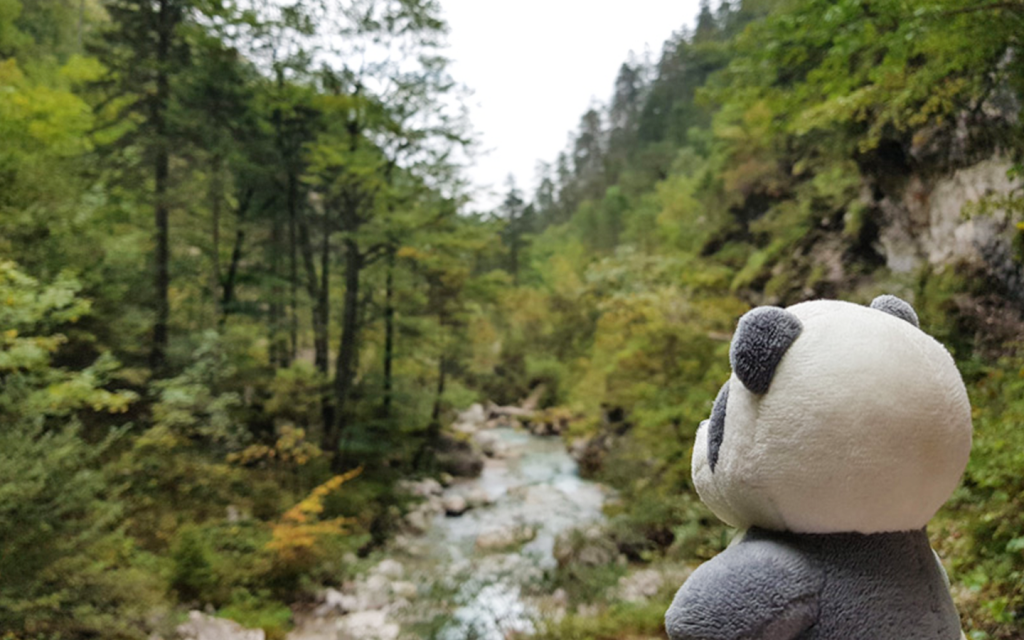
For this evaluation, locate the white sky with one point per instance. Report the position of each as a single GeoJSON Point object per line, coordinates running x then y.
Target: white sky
{"type": "Point", "coordinates": [535, 66]}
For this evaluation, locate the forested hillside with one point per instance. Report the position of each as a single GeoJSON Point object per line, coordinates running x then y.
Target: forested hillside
{"type": "Point", "coordinates": [242, 291]}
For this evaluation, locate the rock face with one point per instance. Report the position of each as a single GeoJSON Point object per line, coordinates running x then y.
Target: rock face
{"type": "Point", "coordinates": [203, 627]}
{"type": "Point", "coordinates": [925, 223]}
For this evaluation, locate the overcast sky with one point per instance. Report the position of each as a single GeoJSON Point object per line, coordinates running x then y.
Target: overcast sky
{"type": "Point", "coordinates": [536, 65]}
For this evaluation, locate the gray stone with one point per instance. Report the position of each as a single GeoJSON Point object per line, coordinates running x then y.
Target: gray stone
{"type": "Point", "coordinates": [421, 488]}
{"type": "Point", "coordinates": [505, 537]}
{"type": "Point", "coordinates": [404, 589]}
{"type": "Point", "coordinates": [418, 521]}
{"type": "Point", "coordinates": [367, 625]}
{"type": "Point", "coordinates": [640, 586]}
{"type": "Point", "coordinates": [204, 627]}
{"type": "Point", "coordinates": [455, 505]}
{"type": "Point", "coordinates": [390, 568]}
{"type": "Point", "coordinates": [478, 497]}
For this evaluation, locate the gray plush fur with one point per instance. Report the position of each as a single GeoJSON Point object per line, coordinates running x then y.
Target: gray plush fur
{"type": "Point", "coordinates": [716, 428]}
{"type": "Point", "coordinates": [762, 338]}
{"type": "Point", "coordinates": [896, 307]}
{"type": "Point", "coordinates": [843, 586]}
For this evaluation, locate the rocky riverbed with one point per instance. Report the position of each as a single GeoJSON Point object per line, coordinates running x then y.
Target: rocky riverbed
{"type": "Point", "coordinates": [459, 568]}
{"type": "Point", "coordinates": [468, 547]}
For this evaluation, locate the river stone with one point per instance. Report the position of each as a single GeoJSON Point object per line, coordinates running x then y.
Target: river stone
{"type": "Point", "coordinates": [640, 586]}
{"type": "Point", "coordinates": [421, 488]}
{"type": "Point", "coordinates": [333, 602]}
{"type": "Point", "coordinates": [478, 497]}
{"type": "Point", "coordinates": [203, 627]}
{"type": "Point", "coordinates": [458, 458]}
{"type": "Point", "coordinates": [390, 568]}
{"type": "Point", "coordinates": [455, 505]}
{"type": "Point", "coordinates": [505, 537]}
{"type": "Point", "coordinates": [367, 625]}
{"type": "Point", "coordinates": [417, 520]}
{"type": "Point", "coordinates": [404, 589]}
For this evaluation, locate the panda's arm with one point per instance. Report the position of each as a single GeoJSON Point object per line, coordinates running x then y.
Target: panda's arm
{"type": "Point", "coordinates": [759, 589]}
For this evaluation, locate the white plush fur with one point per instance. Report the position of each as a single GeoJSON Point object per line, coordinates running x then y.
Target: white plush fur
{"type": "Point", "coordinates": [866, 427]}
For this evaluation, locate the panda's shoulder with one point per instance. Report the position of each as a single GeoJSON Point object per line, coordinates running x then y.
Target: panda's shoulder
{"type": "Point", "coordinates": [757, 584]}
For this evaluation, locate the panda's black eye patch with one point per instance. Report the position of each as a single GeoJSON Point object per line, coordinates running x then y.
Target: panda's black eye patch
{"type": "Point", "coordinates": [716, 426]}
{"type": "Point", "coordinates": [896, 307]}
{"type": "Point", "coordinates": [762, 338]}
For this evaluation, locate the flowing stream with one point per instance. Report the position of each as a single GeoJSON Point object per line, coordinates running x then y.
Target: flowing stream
{"type": "Point", "coordinates": [463, 579]}
{"type": "Point", "coordinates": [537, 493]}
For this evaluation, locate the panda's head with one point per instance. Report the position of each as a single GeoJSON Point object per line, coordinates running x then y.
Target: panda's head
{"type": "Point", "coordinates": [837, 417]}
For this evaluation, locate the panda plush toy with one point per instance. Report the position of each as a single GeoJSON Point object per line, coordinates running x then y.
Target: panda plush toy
{"type": "Point", "coordinates": [840, 433]}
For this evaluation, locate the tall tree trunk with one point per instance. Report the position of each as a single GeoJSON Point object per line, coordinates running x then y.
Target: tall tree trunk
{"type": "Point", "coordinates": [433, 433]}
{"type": "Point", "coordinates": [323, 354]}
{"type": "Point", "coordinates": [434, 430]}
{"type": "Point", "coordinates": [216, 283]}
{"type": "Point", "coordinates": [161, 171]}
{"type": "Point", "coordinates": [81, 23]}
{"type": "Point", "coordinates": [277, 352]}
{"type": "Point", "coordinates": [348, 352]}
{"type": "Point", "coordinates": [228, 295]}
{"type": "Point", "coordinates": [389, 331]}
{"type": "Point", "coordinates": [293, 271]}
{"type": "Point", "coordinates": [228, 292]}
{"type": "Point", "coordinates": [319, 293]}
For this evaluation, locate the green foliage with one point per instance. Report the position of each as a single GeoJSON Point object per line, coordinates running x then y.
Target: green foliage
{"type": "Point", "coordinates": [57, 514]}
{"type": "Point", "coordinates": [646, 620]}
{"type": "Point", "coordinates": [259, 612]}
{"type": "Point", "coordinates": [189, 405]}
{"type": "Point", "coordinates": [980, 528]}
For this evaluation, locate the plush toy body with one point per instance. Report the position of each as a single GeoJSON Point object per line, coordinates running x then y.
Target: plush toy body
{"type": "Point", "coordinates": [841, 431]}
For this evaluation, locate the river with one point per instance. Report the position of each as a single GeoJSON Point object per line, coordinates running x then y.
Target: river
{"type": "Point", "coordinates": [466, 577]}
{"type": "Point", "coordinates": [536, 490]}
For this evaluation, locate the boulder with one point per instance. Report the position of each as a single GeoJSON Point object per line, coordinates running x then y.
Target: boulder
{"type": "Point", "coordinates": [505, 537]}
{"type": "Point", "coordinates": [455, 505]}
{"type": "Point", "coordinates": [478, 497]}
{"type": "Point", "coordinates": [640, 586]}
{"type": "Point", "coordinates": [458, 458]}
{"type": "Point", "coordinates": [203, 627]}
{"type": "Point", "coordinates": [389, 568]}
{"type": "Point", "coordinates": [404, 589]}
{"type": "Point", "coordinates": [333, 602]}
{"type": "Point", "coordinates": [490, 444]}
{"type": "Point", "coordinates": [421, 488]}
{"type": "Point", "coordinates": [367, 625]}
{"type": "Point", "coordinates": [418, 520]}
{"type": "Point", "coordinates": [475, 415]}
{"type": "Point", "coordinates": [370, 594]}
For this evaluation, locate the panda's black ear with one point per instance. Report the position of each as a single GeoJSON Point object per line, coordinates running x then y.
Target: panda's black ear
{"type": "Point", "coordinates": [896, 307]}
{"type": "Point", "coordinates": [761, 339]}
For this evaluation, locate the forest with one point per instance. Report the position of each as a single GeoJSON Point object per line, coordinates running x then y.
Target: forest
{"type": "Point", "coordinates": [244, 291]}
